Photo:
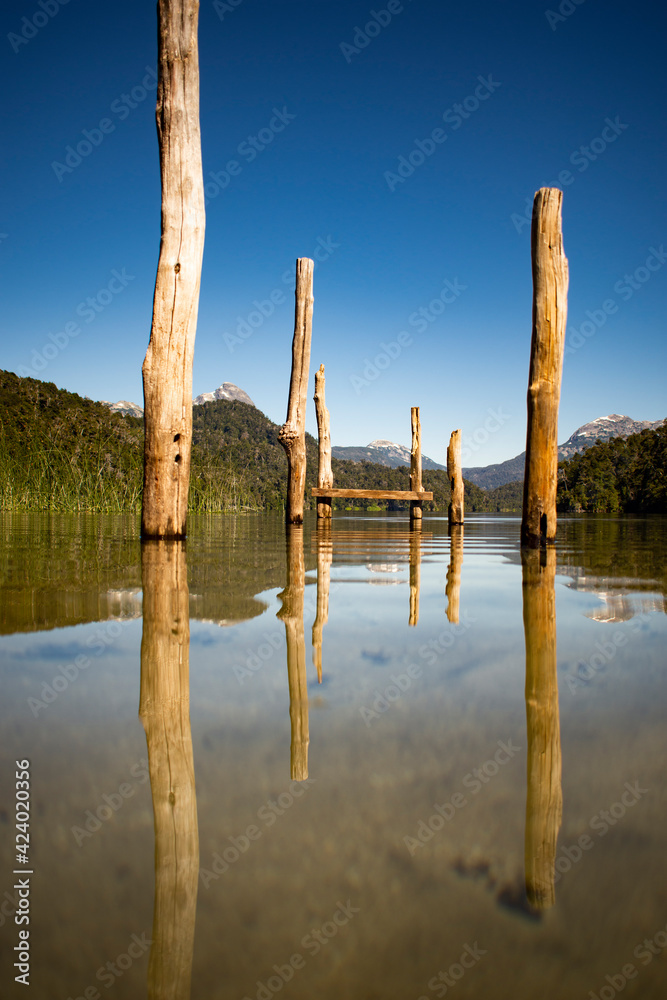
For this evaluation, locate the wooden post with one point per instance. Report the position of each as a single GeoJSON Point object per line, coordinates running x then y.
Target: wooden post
{"type": "Point", "coordinates": [291, 613]}
{"type": "Point", "coordinates": [416, 463]}
{"type": "Point", "coordinates": [324, 473]}
{"type": "Point", "coordinates": [455, 509]}
{"type": "Point", "coordinates": [453, 585]}
{"type": "Point", "coordinates": [324, 560]}
{"type": "Point", "coordinates": [544, 795]}
{"type": "Point", "coordinates": [164, 710]}
{"type": "Point", "coordinates": [167, 368]}
{"type": "Point", "coordinates": [415, 571]}
{"type": "Point", "coordinates": [292, 435]}
{"type": "Point", "coordinates": [550, 283]}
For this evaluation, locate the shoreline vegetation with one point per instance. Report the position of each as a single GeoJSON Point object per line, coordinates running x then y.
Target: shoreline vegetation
{"type": "Point", "coordinates": [63, 452]}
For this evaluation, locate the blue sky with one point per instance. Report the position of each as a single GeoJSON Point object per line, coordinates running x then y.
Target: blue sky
{"type": "Point", "coordinates": [398, 143]}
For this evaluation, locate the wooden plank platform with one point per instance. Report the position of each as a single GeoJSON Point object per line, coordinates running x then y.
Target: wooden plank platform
{"type": "Point", "coordinates": [329, 491]}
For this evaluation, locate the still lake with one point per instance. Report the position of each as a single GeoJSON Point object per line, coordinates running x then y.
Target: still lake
{"type": "Point", "coordinates": [468, 800]}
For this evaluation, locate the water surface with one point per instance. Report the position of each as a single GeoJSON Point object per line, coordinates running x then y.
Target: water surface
{"type": "Point", "coordinates": [404, 755]}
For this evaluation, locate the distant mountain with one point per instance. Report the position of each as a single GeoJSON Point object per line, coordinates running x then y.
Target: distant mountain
{"type": "Point", "coordinates": [226, 391]}
{"type": "Point", "coordinates": [124, 407]}
{"type": "Point", "coordinates": [382, 453]}
{"type": "Point", "coordinates": [602, 428]}
{"type": "Point", "coordinates": [489, 477]}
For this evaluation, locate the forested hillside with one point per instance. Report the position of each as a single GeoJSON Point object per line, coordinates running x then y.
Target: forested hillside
{"type": "Point", "coordinates": [624, 475]}
{"type": "Point", "coordinates": [60, 451]}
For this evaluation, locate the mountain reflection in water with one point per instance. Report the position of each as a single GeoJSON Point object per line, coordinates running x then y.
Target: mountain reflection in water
{"type": "Point", "coordinates": [414, 785]}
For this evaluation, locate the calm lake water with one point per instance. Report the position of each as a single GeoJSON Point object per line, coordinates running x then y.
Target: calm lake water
{"type": "Point", "coordinates": [468, 800]}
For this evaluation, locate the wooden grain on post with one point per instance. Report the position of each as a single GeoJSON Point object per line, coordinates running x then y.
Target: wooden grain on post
{"type": "Point", "coordinates": [292, 435]}
{"type": "Point", "coordinates": [455, 476]}
{"type": "Point", "coordinates": [416, 463]}
{"type": "Point", "coordinates": [167, 368]}
{"type": "Point", "coordinates": [324, 473]}
{"type": "Point", "coordinates": [550, 283]}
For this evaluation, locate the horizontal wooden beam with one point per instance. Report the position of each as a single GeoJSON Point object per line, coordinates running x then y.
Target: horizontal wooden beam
{"type": "Point", "coordinates": [328, 491]}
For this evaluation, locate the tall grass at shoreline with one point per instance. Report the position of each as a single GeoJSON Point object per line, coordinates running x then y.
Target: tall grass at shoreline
{"type": "Point", "coordinates": [105, 478]}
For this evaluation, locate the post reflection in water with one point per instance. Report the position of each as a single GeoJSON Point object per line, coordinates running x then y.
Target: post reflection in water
{"type": "Point", "coordinates": [453, 586]}
{"type": "Point", "coordinates": [324, 560]}
{"type": "Point", "coordinates": [165, 713]}
{"type": "Point", "coordinates": [544, 795]}
{"type": "Point", "coordinates": [291, 613]}
{"type": "Point", "coordinates": [415, 569]}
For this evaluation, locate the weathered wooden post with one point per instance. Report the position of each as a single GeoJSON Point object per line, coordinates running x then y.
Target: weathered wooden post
{"type": "Point", "coordinates": [164, 710]}
{"type": "Point", "coordinates": [455, 509]}
{"type": "Point", "coordinates": [416, 463]}
{"type": "Point", "coordinates": [324, 473]}
{"type": "Point", "coordinates": [550, 283]}
{"type": "Point", "coordinates": [544, 799]}
{"type": "Point", "coordinates": [453, 585]}
{"type": "Point", "coordinates": [167, 368]}
{"type": "Point", "coordinates": [292, 435]}
{"type": "Point", "coordinates": [291, 613]}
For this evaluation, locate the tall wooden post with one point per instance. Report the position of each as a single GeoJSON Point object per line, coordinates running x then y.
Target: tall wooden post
{"type": "Point", "coordinates": [416, 463]}
{"type": "Point", "coordinates": [167, 368]}
{"type": "Point", "coordinates": [455, 509]}
{"type": "Point", "coordinates": [324, 473]}
{"type": "Point", "coordinates": [291, 613]}
{"type": "Point", "coordinates": [550, 283]}
{"type": "Point", "coordinates": [164, 710]}
{"type": "Point", "coordinates": [292, 435]}
{"type": "Point", "coordinates": [544, 801]}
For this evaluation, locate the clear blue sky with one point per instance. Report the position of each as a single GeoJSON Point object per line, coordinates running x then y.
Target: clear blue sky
{"type": "Point", "coordinates": [317, 116]}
